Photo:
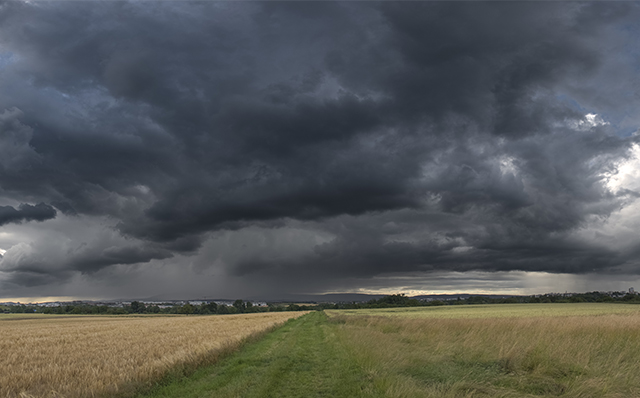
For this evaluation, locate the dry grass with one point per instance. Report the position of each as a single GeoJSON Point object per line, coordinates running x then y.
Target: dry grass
{"type": "Point", "coordinates": [571, 356]}
{"type": "Point", "coordinates": [103, 356]}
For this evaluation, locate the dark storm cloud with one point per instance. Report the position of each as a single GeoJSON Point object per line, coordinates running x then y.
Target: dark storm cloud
{"type": "Point", "coordinates": [449, 136]}
{"type": "Point", "coordinates": [26, 212]}
{"type": "Point", "coordinates": [92, 261]}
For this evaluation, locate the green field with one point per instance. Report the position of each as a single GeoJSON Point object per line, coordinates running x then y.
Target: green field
{"type": "Point", "coordinates": [498, 310]}
{"type": "Point", "coordinates": [535, 350]}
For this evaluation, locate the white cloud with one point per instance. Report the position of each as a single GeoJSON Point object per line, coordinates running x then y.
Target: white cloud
{"type": "Point", "coordinates": [589, 121]}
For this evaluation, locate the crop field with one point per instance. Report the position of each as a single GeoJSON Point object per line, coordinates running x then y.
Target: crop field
{"type": "Point", "coordinates": [539, 350]}
{"type": "Point", "coordinates": [84, 356]}
{"type": "Point", "coordinates": [504, 351]}
{"type": "Point", "coordinates": [23, 316]}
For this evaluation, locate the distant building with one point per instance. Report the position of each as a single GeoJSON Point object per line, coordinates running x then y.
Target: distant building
{"type": "Point", "coordinates": [632, 290]}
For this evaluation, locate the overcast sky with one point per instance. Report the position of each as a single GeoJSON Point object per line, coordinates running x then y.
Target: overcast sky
{"type": "Point", "coordinates": [257, 149]}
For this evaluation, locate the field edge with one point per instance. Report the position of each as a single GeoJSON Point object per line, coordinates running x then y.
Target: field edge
{"type": "Point", "coordinates": [185, 369]}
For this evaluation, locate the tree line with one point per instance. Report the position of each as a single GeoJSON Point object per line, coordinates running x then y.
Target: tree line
{"type": "Point", "coordinates": [138, 307]}
{"type": "Point", "coordinates": [243, 307]}
{"type": "Point", "coordinates": [400, 300]}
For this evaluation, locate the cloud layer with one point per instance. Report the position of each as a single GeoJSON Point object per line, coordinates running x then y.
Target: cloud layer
{"type": "Point", "coordinates": [314, 146]}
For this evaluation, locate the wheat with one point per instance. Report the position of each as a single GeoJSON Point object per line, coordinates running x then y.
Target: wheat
{"type": "Point", "coordinates": [102, 356]}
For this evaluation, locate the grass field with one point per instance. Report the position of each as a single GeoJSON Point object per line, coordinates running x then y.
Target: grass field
{"type": "Point", "coordinates": [593, 354]}
{"type": "Point", "coordinates": [569, 350]}
{"type": "Point", "coordinates": [49, 356]}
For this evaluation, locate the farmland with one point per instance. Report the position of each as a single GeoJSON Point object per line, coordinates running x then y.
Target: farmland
{"type": "Point", "coordinates": [533, 350]}
{"type": "Point", "coordinates": [503, 353]}
{"type": "Point", "coordinates": [91, 356]}
{"type": "Point", "coordinates": [573, 350]}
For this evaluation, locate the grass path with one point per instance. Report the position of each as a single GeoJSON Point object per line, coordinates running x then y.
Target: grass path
{"type": "Point", "coordinates": [304, 358]}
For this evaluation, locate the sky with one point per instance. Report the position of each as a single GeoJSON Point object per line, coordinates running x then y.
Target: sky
{"type": "Point", "coordinates": [261, 149]}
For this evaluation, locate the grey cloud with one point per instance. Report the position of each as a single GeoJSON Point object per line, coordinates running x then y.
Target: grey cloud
{"type": "Point", "coordinates": [91, 261]}
{"type": "Point", "coordinates": [26, 212]}
{"type": "Point", "coordinates": [16, 154]}
{"type": "Point", "coordinates": [30, 279]}
{"type": "Point", "coordinates": [178, 120]}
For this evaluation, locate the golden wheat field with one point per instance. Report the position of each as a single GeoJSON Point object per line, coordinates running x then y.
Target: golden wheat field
{"type": "Point", "coordinates": [101, 356]}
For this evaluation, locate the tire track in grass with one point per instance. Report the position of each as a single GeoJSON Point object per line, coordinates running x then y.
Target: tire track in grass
{"type": "Point", "coordinates": [304, 358]}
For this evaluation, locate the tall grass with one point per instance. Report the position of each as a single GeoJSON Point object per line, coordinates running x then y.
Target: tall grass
{"type": "Point", "coordinates": [569, 356]}
{"type": "Point", "coordinates": [95, 356]}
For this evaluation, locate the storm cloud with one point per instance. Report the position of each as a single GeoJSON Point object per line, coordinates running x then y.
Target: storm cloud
{"type": "Point", "coordinates": [26, 212]}
{"type": "Point", "coordinates": [315, 146]}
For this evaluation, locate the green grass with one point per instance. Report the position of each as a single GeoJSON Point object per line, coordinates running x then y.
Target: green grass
{"type": "Point", "coordinates": [304, 358]}
{"type": "Point", "coordinates": [498, 310]}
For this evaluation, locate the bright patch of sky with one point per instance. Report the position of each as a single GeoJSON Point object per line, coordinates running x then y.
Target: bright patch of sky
{"type": "Point", "coordinates": [507, 165]}
{"type": "Point", "coordinates": [33, 300]}
{"type": "Point", "coordinates": [589, 121]}
{"type": "Point", "coordinates": [628, 173]}
{"type": "Point", "coordinates": [619, 231]}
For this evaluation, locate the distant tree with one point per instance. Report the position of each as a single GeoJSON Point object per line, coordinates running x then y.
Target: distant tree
{"type": "Point", "coordinates": [137, 307]}
{"type": "Point", "coordinates": [412, 303]}
{"type": "Point", "coordinates": [222, 309]}
{"type": "Point", "coordinates": [212, 308]}
{"type": "Point", "coordinates": [576, 299]}
{"type": "Point", "coordinates": [239, 305]}
{"type": "Point", "coordinates": [476, 300]}
{"type": "Point", "coordinates": [187, 309]}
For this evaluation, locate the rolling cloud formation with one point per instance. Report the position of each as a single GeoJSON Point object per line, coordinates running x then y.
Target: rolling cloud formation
{"type": "Point", "coordinates": [316, 145]}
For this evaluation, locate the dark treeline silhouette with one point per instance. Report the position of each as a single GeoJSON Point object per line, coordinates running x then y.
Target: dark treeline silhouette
{"type": "Point", "coordinates": [400, 300]}
{"type": "Point", "coordinates": [137, 307]}
{"type": "Point", "coordinates": [243, 307]}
